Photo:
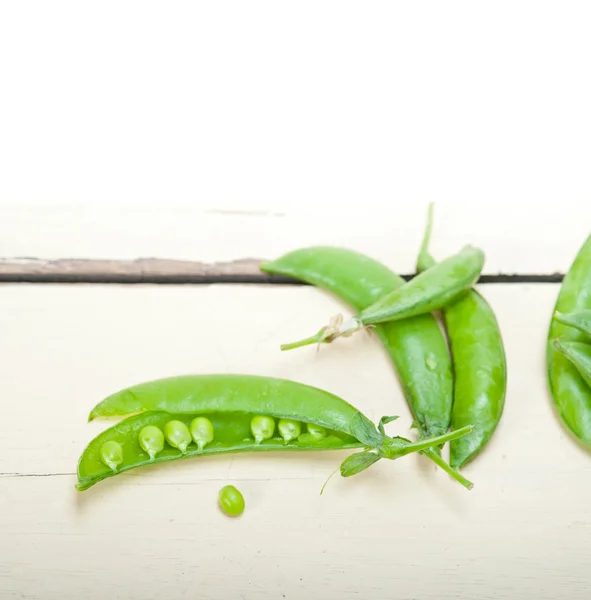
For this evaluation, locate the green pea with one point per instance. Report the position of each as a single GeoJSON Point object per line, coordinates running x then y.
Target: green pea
{"type": "Point", "coordinates": [316, 430]}
{"type": "Point", "coordinates": [151, 440]}
{"type": "Point", "coordinates": [289, 429]}
{"type": "Point", "coordinates": [177, 435]}
{"type": "Point", "coordinates": [112, 454]}
{"type": "Point", "coordinates": [202, 431]}
{"type": "Point", "coordinates": [231, 501]}
{"type": "Point", "coordinates": [262, 428]}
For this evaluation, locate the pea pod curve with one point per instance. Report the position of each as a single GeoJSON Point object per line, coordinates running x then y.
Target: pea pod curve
{"type": "Point", "coordinates": [416, 345]}
{"type": "Point", "coordinates": [579, 355]}
{"type": "Point", "coordinates": [479, 361]}
{"type": "Point", "coordinates": [580, 319]}
{"type": "Point", "coordinates": [425, 293]}
{"type": "Point", "coordinates": [570, 394]}
{"type": "Point", "coordinates": [240, 421]}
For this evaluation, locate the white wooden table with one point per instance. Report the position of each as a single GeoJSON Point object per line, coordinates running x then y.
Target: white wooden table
{"type": "Point", "coordinates": [245, 132]}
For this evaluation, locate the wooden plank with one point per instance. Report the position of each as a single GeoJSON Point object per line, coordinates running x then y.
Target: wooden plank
{"type": "Point", "coordinates": [401, 530]}
{"type": "Point", "coordinates": [291, 125]}
{"type": "Point", "coordinates": [158, 270]}
{"type": "Point", "coordinates": [521, 239]}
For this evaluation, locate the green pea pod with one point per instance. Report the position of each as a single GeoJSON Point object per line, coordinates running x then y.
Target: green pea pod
{"type": "Point", "coordinates": [254, 394]}
{"type": "Point", "coordinates": [425, 293]}
{"type": "Point", "coordinates": [579, 355]}
{"type": "Point", "coordinates": [479, 361]}
{"type": "Point", "coordinates": [232, 422]}
{"type": "Point", "coordinates": [570, 394]}
{"type": "Point", "coordinates": [580, 319]}
{"type": "Point", "coordinates": [416, 345]}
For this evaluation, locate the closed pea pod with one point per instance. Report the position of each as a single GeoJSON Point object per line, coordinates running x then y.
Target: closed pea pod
{"type": "Point", "coordinates": [232, 420]}
{"type": "Point", "coordinates": [416, 345]}
{"type": "Point", "coordinates": [423, 294]}
{"type": "Point", "coordinates": [480, 368]}
{"type": "Point", "coordinates": [570, 393]}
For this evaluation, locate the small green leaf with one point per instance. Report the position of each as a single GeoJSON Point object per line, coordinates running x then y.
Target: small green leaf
{"type": "Point", "coordinates": [365, 431]}
{"type": "Point", "coordinates": [358, 462]}
{"type": "Point", "coordinates": [385, 421]}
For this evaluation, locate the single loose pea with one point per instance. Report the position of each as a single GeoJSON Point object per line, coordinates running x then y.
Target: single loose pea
{"type": "Point", "coordinates": [112, 454]}
{"type": "Point", "coordinates": [262, 428]}
{"type": "Point", "coordinates": [151, 440]}
{"type": "Point", "coordinates": [316, 430]}
{"type": "Point", "coordinates": [177, 435]}
{"type": "Point", "coordinates": [231, 501]}
{"type": "Point", "coordinates": [202, 431]}
{"type": "Point", "coordinates": [289, 429]}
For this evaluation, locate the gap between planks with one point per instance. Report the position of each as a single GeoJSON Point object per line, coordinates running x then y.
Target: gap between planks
{"type": "Point", "coordinates": [169, 271]}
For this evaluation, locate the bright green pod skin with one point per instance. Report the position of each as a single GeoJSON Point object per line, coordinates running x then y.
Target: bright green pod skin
{"type": "Point", "coordinates": [480, 366]}
{"type": "Point", "coordinates": [429, 291]}
{"type": "Point", "coordinates": [570, 393]}
{"type": "Point", "coordinates": [579, 354]}
{"type": "Point", "coordinates": [416, 345]}
{"type": "Point", "coordinates": [252, 394]}
{"type": "Point", "coordinates": [580, 319]}
{"type": "Point", "coordinates": [346, 427]}
{"type": "Point", "coordinates": [425, 293]}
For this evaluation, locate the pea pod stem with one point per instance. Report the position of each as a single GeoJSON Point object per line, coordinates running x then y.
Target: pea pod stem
{"type": "Point", "coordinates": [424, 444]}
{"type": "Point", "coordinates": [337, 327]}
{"type": "Point", "coordinates": [454, 473]}
{"type": "Point", "coordinates": [313, 339]}
{"type": "Point", "coordinates": [425, 260]}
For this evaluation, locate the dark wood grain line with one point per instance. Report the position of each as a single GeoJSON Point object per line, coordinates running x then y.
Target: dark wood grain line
{"type": "Point", "coordinates": [168, 271]}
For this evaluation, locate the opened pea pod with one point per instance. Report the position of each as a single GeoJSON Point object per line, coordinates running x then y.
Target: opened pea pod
{"type": "Point", "coordinates": [201, 415]}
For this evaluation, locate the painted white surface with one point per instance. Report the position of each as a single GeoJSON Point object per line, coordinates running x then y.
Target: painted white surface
{"type": "Point", "coordinates": [324, 112]}
{"type": "Point", "coordinates": [230, 130]}
{"type": "Point", "coordinates": [401, 530]}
